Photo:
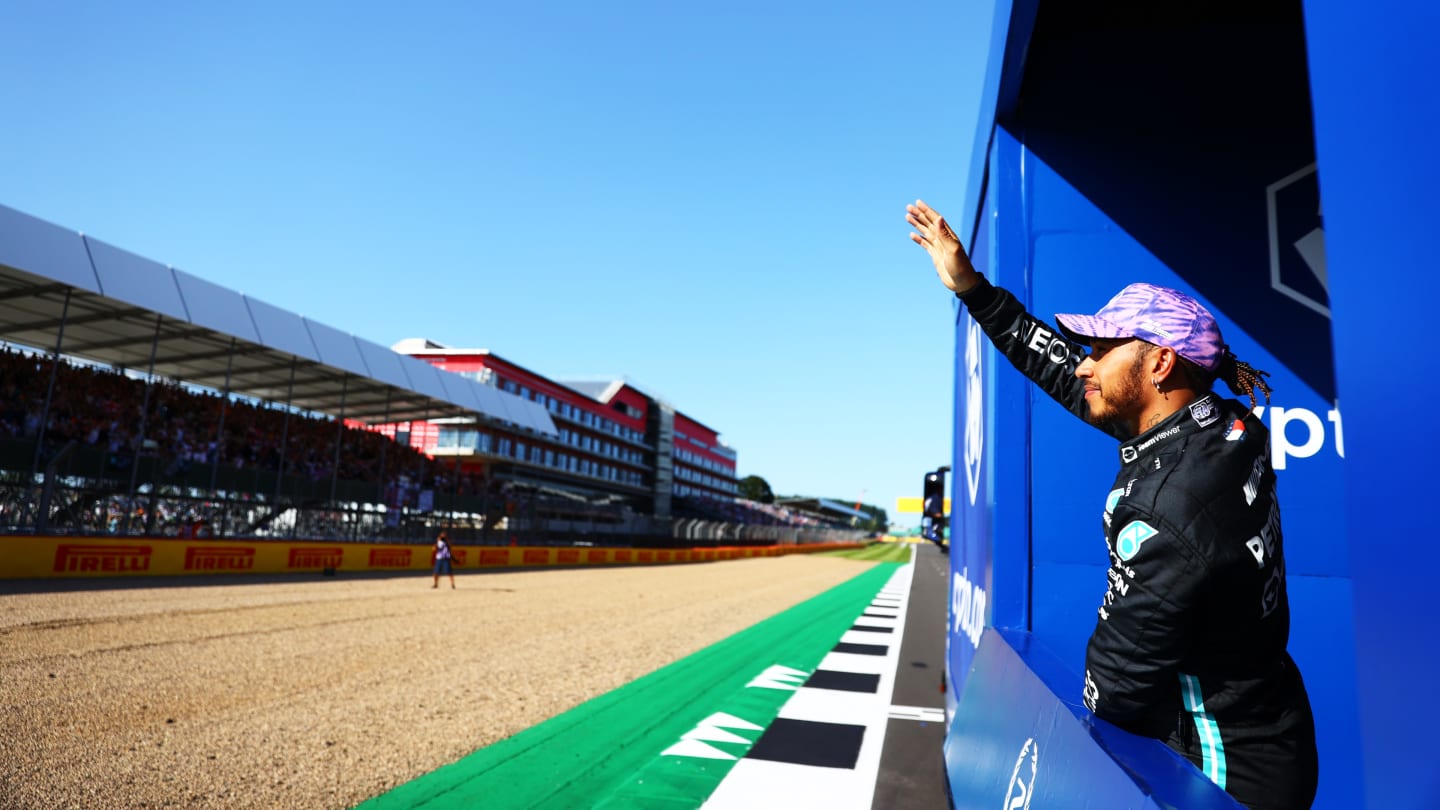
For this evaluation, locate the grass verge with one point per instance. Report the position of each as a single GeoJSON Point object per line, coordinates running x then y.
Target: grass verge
{"type": "Point", "coordinates": [875, 552]}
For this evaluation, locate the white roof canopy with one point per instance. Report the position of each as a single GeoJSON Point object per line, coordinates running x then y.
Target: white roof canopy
{"type": "Point", "coordinates": [107, 305]}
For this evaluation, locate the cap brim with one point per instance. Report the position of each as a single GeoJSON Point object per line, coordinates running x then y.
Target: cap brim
{"type": "Point", "coordinates": [1085, 328]}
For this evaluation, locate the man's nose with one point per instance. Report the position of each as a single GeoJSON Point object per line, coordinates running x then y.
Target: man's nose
{"type": "Point", "coordinates": [1086, 368]}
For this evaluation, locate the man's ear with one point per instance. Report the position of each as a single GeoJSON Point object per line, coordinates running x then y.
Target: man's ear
{"type": "Point", "coordinates": [1163, 362]}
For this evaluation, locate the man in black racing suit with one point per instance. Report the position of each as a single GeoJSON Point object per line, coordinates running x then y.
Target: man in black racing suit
{"type": "Point", "coordinates": [1190, 643]}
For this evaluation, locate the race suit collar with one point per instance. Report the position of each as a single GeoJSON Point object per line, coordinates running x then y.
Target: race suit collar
{"type": "Point", "coordinates": [1201, 413]}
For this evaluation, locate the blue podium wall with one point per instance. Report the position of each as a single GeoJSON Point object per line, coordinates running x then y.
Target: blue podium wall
{"type": "Point", "coordinates": [1189, 152]}
{"type": "Point", "coordinates": [1373, 72]}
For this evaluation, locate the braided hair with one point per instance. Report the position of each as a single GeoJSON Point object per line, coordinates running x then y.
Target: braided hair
{"type": "Point", "coordinates": [1241, 377]}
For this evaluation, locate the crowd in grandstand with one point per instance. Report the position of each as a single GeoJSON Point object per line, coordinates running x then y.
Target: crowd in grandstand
{"type": "Point", "coordinates": [752, 513]}
{"type": "Point", "coordinates": [114, 412]}
{"type": "Point", "coordinates": [193, 434]}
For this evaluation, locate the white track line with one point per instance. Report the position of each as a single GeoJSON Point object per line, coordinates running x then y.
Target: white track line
{"type": "Point", "coordinates": [756, 783]}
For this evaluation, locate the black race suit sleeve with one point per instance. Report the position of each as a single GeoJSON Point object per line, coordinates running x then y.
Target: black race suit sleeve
{"type": "Point", "coordinates": [1038, 350]}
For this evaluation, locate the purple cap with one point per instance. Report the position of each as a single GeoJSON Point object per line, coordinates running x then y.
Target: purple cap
{"type": "Point", "coordinates": [1158, 315]}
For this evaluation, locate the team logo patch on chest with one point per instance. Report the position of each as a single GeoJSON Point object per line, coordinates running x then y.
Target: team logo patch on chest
{"type": "Point", "coordinates": [1130, 538]}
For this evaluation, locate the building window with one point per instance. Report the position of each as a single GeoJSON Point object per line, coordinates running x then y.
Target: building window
{"type": "Point", "coordinates": [462, 439]}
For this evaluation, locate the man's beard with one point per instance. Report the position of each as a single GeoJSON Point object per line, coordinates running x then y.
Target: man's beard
{"type": "Point", "coordinates": [1120, 404]}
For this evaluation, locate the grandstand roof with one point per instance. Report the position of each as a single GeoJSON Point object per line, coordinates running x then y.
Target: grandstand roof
{"type": "Point", "coordinates": [425, 347]}
{"type": "Point", "coordinates": [598, 391]}
{"type": "Point", "coordinates": [823, 506]}
{"type": "Point", "coordinates": [104, 304]}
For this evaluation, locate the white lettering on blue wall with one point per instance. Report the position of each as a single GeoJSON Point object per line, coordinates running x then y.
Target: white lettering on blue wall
{"type": "Point", "coordinates": [1299, 433]}
{"type": "Point", "coordinates": [967, 607]}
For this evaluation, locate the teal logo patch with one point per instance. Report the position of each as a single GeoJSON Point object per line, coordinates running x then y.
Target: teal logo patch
{"type": "Point", "coordinates": [1112, 499]}
{"type": "Point", "coordinates": [1127, 542]}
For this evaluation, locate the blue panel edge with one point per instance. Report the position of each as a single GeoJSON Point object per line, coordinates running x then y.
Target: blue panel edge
{"type": "Point", "coordinates": [1011, 708]}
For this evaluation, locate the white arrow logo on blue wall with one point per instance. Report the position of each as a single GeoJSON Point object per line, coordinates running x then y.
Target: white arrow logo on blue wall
{"type": "Point", "coordinates": [1310, 247]}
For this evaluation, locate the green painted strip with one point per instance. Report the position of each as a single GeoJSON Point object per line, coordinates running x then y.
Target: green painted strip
{"type": "Point", "coordinates": [875, 552]}
{"type": "Point", "coordinates": [606, 751]}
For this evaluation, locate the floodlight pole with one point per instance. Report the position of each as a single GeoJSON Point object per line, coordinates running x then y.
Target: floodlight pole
{"type": "Point", "coordinates": [220, 440]}
{"type": "Point", "coordinates": [384, 446]}
{"type": "Point", "coordinates": [140, 438]}
{"type": "Point", "coordinates": [424, 468]}
{"type": "Point", "coordinates": [339, 439]}
{"type": "Point", "coordinates": [45, 410]}
{"type": "Point", "coordinates": [284, 445]}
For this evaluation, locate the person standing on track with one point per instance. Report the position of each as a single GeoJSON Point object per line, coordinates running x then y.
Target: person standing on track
{"type": "Point", "coordinates": [440, 558]}
{"type": "Point", "coordinates": [1190, 643]}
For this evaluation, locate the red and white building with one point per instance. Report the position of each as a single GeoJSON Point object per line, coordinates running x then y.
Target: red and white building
{"type": "Point", "coordinates": [614, 441]}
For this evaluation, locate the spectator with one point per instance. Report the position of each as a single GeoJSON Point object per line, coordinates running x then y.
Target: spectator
{"type": "Point", "coordinates": [440, 560]}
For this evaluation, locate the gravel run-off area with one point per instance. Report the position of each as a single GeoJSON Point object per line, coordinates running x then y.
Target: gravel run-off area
{"type": "Point", "coordinates": [320, 692]}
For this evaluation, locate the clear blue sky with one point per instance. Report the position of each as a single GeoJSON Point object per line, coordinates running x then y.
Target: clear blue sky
{"type": "Point", "coordinates": [705, 199]}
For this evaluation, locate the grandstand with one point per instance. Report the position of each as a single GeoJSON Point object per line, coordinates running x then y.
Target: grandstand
{"type": "Point", "coordinates": [826, 511]}
{"type": "Point", "coordinates": [137, 399]}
